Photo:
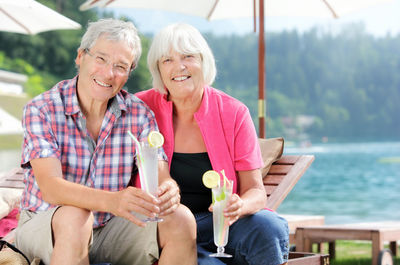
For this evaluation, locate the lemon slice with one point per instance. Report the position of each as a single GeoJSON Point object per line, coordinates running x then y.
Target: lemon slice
{"type": "Point", "coordinates": [211, 179]}
{"type": "Point", "coordinates": [155, 139]}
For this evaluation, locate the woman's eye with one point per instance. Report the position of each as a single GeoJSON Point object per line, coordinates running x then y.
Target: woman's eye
{"type": "Point", "coordinates": [100, 59]}
{"type": "Point", "coordinates": [122, 68]}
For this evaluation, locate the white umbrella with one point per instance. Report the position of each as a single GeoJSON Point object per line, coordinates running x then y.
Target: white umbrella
{"type": "Point", "coordinates": [31, 17]}
{"type": "Point", "coordinates": [224, 9]}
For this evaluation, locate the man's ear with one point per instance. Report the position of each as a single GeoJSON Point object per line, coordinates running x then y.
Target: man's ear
{"type": "Point", "coordinates": [79, 57]}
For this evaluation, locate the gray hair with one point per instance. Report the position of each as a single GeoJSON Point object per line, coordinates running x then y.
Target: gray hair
{"type": "Point", "coordinates": [184, 39]}
{"type": "Point", "coordinates": [115, 30]}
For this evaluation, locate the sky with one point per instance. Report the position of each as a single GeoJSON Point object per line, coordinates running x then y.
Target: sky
{"type": "Point", "coordinates": [378, 20]}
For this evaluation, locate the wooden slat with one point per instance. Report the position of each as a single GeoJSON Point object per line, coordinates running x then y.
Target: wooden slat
{"type": "Point", "coordinates": [302, 258]}
{"type": "Point", "coordinates": [13, 179]}
{"type": "Point", "coordinates": [278, 194]}
{"type": "Point", "coordinates": [279, 169]}
{"type": "Point", "coordinates": [288, 159]}
{"type": "Point", "coordinates": [270, 189]}
{"type": "Point", "coordinates": [273, 179]}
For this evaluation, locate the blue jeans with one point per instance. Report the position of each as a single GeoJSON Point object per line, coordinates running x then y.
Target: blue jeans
{"type": "Point", "coordinates": [261, 238]}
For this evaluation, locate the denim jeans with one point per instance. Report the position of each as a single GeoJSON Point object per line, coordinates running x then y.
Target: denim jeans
{"type": "Point", "coordinates": [261, 238]}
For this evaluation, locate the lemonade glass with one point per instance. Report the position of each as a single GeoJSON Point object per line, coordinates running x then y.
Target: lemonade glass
{"type": "Point", "coordinates": [220, 198]}
{"type": "Point", "coordinates": [148, 172]}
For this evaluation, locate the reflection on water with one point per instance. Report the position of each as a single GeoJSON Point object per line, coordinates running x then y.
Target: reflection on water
{"type": "Point", "coordinates": [9, 159]}
{"type": "Point", "coordinates": [348, 183]}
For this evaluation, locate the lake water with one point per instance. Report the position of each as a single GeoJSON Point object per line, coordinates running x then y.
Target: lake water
{"type": "Point", "coordinates": [346, 182]}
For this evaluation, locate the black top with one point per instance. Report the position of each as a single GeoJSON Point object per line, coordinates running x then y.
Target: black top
{"type": "Point", "coordinates": [187, 169]}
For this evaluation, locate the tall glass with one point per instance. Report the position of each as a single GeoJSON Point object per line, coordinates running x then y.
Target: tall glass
{"type": "Point", "coordinates": [220, 198]}
{"type": "Point", "coordinates": [147, 163]}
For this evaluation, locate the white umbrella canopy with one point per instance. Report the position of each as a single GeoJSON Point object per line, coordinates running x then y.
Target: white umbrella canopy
{"type": "Point", "coordinates": [224, 9]}
{"type": "Point", "coordinates": [31, 17]}
{"type": "Point", "coordinates": [228, 9]}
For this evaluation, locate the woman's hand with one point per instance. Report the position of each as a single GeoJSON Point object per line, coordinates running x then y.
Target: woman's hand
{"type": "Point", "coordinates": [169, 197]}
{"type": "Point", "coordinates": [233, 209]}
{"type": "Point", "coordinates": [252, 196]}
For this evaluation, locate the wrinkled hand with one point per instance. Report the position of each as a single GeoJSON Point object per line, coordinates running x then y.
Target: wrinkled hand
{"type": "Point", "coordinates": [169, 197]}
{"type": "Point", "coordinates": [132, 199]}
{"type": "Point", "coordinates": [233, 209]}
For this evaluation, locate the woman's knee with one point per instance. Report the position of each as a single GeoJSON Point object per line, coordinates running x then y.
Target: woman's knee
{"type": "Point", "coordinates": [271, 221]}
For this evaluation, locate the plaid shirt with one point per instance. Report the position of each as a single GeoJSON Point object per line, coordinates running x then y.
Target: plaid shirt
{"type": "Point", "coordinates": [54, 126]}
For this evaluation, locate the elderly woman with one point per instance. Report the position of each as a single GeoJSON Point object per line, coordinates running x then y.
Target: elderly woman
{"type": "Point", "coordinates": [206, 129]}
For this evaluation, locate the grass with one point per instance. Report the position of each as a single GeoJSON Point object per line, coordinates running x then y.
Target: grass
{"type": "Point", "coordinates": [353, 253]}
{"type": "Point", "coordinates": [13, 104]}
{"type": "Point", "coordinates": [10, 141]}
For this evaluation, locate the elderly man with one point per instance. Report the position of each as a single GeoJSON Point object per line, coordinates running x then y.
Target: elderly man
{"type": "Point", "coordinates": [77, 206]}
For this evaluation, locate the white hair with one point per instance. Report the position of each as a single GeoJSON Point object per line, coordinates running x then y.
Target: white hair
{"type": "Point", "coordinates": [184, 39]}
{"type": "Point", "coordinates": [116, 30]}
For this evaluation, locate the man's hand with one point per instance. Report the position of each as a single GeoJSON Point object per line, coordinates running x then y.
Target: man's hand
{"type": "Point", "coordinates": [169, 196]}
{"type": "Point", "coordinates": [134, 200]}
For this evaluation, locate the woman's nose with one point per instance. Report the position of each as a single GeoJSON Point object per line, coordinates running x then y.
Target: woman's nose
{"type": "Point", "coordinates": [182, 65]}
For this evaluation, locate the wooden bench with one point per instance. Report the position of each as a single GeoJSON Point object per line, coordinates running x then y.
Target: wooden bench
{"type": "Point", "coordinates": [377, 232]}
{"type": "Point", "coordinates": [280, 180]}
{"type": "Point", "coordinates": [296, 221]}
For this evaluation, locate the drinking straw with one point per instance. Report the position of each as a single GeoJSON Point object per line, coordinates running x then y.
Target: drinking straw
{"type": "Point", "coordinates": [226, 180]}
{"type": "Point", "coordinates": [224, 224]}
{"type": "Point", "coordinates": [140, 163]}
{"type": "Point", "coordinates": [223, 230]}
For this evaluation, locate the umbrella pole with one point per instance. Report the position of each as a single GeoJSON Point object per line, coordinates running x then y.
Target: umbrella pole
{"type": "Point", "coordinates": [261, 72]}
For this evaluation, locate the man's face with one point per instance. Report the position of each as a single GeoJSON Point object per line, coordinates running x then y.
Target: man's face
{"type": "Point", "coordinates": [103, 69]}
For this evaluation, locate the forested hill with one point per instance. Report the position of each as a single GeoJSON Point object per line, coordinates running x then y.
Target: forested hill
{"type": "Point", "coordinates": [349, 83]}
{"type": "Point", "coordinates": [345, 86]}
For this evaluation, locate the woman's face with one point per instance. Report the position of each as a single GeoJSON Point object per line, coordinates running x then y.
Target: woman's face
{"type": "Point", "coordinates": [181, 74]}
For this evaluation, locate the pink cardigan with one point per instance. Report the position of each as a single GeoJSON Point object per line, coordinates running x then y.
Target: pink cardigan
{"type": "Point", "coordinates": [226, 125]}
